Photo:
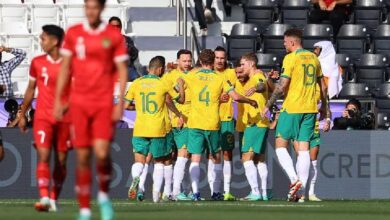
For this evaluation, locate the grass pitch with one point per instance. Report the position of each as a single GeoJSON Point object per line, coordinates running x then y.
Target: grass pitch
{"type": "Point", "coordinates": [205, 210]}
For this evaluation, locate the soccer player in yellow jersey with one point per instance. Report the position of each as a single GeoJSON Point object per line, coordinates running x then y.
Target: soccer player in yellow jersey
{"type": "Point", "coordinates": [149, 94]}
{"type": "Point", "coordinates": [206, 88]}
{"type": "Point", "coordinates": [180, 132]}
{"type": "Point", "coordinates": [226, 113]}
{"type": "Point", "coordinates": [300, 75]}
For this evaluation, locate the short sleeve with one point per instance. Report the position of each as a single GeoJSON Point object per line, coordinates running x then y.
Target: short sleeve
{"type": "Point", "coordinates": [129, 97]}
{"type": "Point", "coordinates": [319, 73]}
{"type": "Point", "coordinates": [232, 77]}
{"type": "Point", "coordinates": [33, 71]}
{"type": "Point", "coordinates": [166, 78]}
{"type": "Point", "coordinates": [120, 49]}
{"type": "Point", "coordinates": [288, 66]}
{"type": "Point", "coordinates": [68, 46]}
{"type": "Point", "coordinates": [227, 87]}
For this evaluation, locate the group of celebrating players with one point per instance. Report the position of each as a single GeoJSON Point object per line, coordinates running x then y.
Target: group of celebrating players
{"type": "Point", "coordinates": [187, 110]}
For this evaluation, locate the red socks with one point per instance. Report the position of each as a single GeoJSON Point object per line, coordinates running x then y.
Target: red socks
{"type": "Point", "coordinates": [43, 178]}
{"type": "Point", "coordinates": [83, 187]}
{"type": "Point", "coordinates": [104, 176]}
{"type": "Point", "coordinates": [59, 175]}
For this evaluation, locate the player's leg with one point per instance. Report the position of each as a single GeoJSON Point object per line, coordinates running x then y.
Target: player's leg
{"type": "Point", "coordinates": [60, 157]}
{"type": "Point", "coordinates": [214, 148]}
{"type": "Point", "coordinates": [285, 130]}
{"type": "Point", "coordinates": [181, 140]}
{"type": "Point", "coordinates": [313, 173]}
{"type": "Point", "coordinates": [141, 150]}
{"type": "Point", "coordinates": [161, 154]}
{"type": "Point", "coordinates": [305, 134]}
{"type": "Point", "coordinates": [142, 178]}
{"type": "Point", "coordinates": [227, 143]}
{"type": "Point", "coordinates": [168, 168]}
{"type": "Point", "coordinates": [263, 173]}
{"type": "Point", "coordinates": [43, 133]}
{"type": "Point", "coordinates": [196, 140]}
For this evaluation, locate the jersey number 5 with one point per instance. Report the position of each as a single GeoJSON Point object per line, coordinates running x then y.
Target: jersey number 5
{"type": "Point", "coordinates": [310, 74]}
{"type": "Point", "coordinates": [148, 104]}
{"type": "Point", "coordinates": [204, 96]}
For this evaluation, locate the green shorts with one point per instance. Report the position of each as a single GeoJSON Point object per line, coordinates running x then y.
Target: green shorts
{"type": "Point", "coordinates": [255, 140]}
{"type": "Point", "coordinates": [240, 137]}
{"type": "Point", "coordinates": [201, 141]}
{"type": "Point", "coordinates": [181, 137]}
{"type": "Point", "coordinates": [296, 127]}
{"type": "Point", "coordinates": [170, 141]}
{"type": "Point", "coordinates": [316, 140]}
{"type": "Point", "coordinates": [227, 135]}
{"type": "Point", "coordinates": [156, 146]}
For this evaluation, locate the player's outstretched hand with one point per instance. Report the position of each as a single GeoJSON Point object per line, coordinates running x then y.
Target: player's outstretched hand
{"type": "Point", "coordinates": [117, 113]}
{"type": "Point", "coordinates": [273, 74]}
{"type": "Point", "coordinates": [264, 112]}
{"type": "Point", "coordinates": [180, 122]}
{"type": "Point", "coordinates": [22, 124]}
{"type": "Point", "coordinates": [224, 98]}
{"type": "Point", "coordinates": [250, 91]}
{"type": "Point", "coordinates": [57, 111]}
{"type": "Point", "coordinates": [254, 104]}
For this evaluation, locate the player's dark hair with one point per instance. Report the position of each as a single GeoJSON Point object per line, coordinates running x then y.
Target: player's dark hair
{"type": "Point", "coordinates": [55, 31]}
{"type": "Point", "coordinates": [101, 2]}
{"type": "Point", "coordinates": [220, 49]}
{"type": "Point", "coordinates": [114, 18]}
{"type": "Point", "coordinates": [157, 62]}
{"type": "Point", "coordinates": [354, 102]}
{"type": "Point", "coordinates": [207, 57]}
{"type": "Point", "coordinates": [294, 32]}
{"type": "Point", "coordinates": [183, 51]}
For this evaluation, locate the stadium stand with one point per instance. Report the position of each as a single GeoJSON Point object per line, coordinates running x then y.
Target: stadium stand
{"type": "Point", "coordinates": [261, 12]}
{"type": "Point", "coordinates": [370, 69]}
{"type": "Point", "coordinates": [295, 12]}
{"type": "Point", "coordinates": [381, 40]}
{"type": "Point", "coordinates": [243, 39]}
{"type": "Point", "coordinates": [383, 120]}
{"type": "Point", "coordinates": [312, 33]}
{"type": "Point", "coordinates": [346, 64]}
{"type": "Point", "coordinates": [352, 39]}
{"type": "Point", "coordinates": [272, 41]}
{"type": "Point", "coordinates": [355, 90]}
{"type": "Point", "coordinates": [267, 62]}
{"type": "Point", "coordinates": [369, 12]}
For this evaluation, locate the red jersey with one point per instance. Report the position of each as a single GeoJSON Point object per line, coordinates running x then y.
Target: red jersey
{"type": "Point", "coordinates": [328, 2]}
{"type": "Point", "coordinates": [93, 56]}
{"type": "Point", "coordinates": [45, 71]}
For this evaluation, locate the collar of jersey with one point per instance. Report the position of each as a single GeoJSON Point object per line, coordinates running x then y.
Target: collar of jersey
{"type": "Point", "coordinates": [102, 26]}
{"type": "Point", "coordinates": [300, 50]}
{"type": "Point", "coordinates": [50, 59]}
{"type": "Point", "coordinates": [151, 76]}
{"type": "Point", "coordinates": [206, 71]}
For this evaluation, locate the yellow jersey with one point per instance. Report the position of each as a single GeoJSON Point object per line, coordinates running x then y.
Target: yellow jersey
{"type": "Point", "coordinates": [240, 126]}
{"type": "Point", "coordinates": [205, 88]}
{"type": "Point", "coordinates": [251, 115]}
{"type": "Point", "coordinates": [149, 93]}
{"type": "Point", "coordinates": [226, 111]}
{"type": "Point", "coordinates": [303, 69]}
{"type": "Point", "coordinates": [171, 79]}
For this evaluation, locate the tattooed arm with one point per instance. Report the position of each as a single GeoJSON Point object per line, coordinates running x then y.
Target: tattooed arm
{"type": "Point", "coordinates": [278, 92]}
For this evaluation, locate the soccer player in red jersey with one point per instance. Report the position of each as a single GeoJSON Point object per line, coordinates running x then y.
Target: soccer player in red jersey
{"type": "Point", "coordinates": [47, 131]}
{"type": "Point", "coordinates": [95, 52]}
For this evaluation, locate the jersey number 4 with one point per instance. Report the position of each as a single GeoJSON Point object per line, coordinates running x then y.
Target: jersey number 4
{"type": "Point", "coordinates": [148, 104]}
{"type": "Point", "coordinates": [204, 96]}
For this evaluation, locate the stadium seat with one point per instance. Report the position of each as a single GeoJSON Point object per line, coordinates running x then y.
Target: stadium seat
{"type": "Point", "coordinates": [383, 120]}
{"type": "Point", "coordinates": [42, 15]}
{"type": "Point", "coordinates": [369, 13]}
{"type": "Point", "coordinates": [273, 39]}
{"type": "Point", "coordinates": [13, 28]}
{"type": "Point", "coordinates": [261, 12]}
{"type": "Point", "coordinates": [355, 90]}
{"type": "Point", "coordinates": [381, 40]}
{"type": "Point", "coordinates": [73, 14]}
{"type": "Point", "coordinates": [115, 10]}
{"type": "Point", "coordinates": [352, 39]}
{"type": "Point", "coordinates": [11, 2]}
{"type": "Point", "coordinates": [267, 62]}
{"type": "Point", "coordinates": [347, 66]}
{"type": "Point", "coordinates": [313, 33]}
{"type": "Point", "coordinates": [243, 39]}
{"type": "Point", "coordinates": [370, 69]}
{"type": "Point", "coordinates": [383, 105]}
{"type": "Point", "coordinates": [39, 2]}
{"type": "Point", "coordinates": [295, 12]}
{"type": "Point", "coordinates": [382, 91]}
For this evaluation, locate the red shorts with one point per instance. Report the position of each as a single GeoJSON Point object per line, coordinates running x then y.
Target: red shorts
{"type": "Point", "coordinates": [89, 123]}
{"type": "Point", "coordinates": [48, 134]}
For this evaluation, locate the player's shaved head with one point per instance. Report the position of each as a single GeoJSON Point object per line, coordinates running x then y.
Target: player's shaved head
{"type": "Point", "coordinates": [157, 62]}
{"type": "Point", "coordinates": [101, 2]}
{"type": "Point", "coordinates": [207, 57]}
{"type": "Point", "coordinates": [292, 39]}
{"type": "Point", "coordinates": [294, 33]}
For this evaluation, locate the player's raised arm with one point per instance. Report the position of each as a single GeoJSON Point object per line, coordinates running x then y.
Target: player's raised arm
{"type": "Point", "coordinates": [180, 89]}
{"type": "Point", "coordinates": [122, 72]}
{"type": "Point", "coordinates": [242, 99]}
{"type": "Point", "coordinates": [171, 106]}
{"type": "Point", "coordinates": [277, 93]}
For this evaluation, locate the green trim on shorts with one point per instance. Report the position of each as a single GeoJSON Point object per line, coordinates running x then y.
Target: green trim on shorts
{"type": "Point", "coordinates": [156, 146]}
{"type": "Point", "coordinates": [296, 126]}
{"type": "Point", "coordinates": [201, 141]}
{"type": "Point", "coordinates": [255, 139]}
{"type": "Point", "coordinates": [227, 130]}
{"type": "Point", "coordinates": [180, 136]}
